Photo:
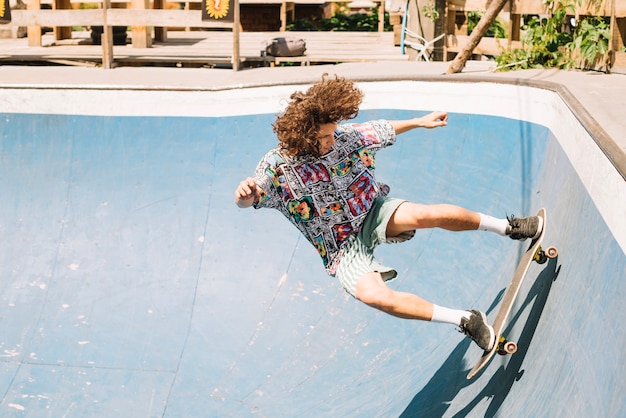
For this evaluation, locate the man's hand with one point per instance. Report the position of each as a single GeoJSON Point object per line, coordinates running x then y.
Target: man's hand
{"type": "Point", "coordinates": [246, 193]}
{"type": "Point", "coordinates": [431, 120]}
{"type": "Point", "coordinates": [434, 120]}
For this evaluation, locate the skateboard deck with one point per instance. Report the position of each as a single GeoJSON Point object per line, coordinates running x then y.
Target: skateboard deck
{"type": "Point", "coordinates": [534, 253]}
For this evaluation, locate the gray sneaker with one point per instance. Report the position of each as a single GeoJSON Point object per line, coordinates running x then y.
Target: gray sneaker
{"type": "Point", "coordinates": [524, 228]}
{"type": "Point", "coordinates": [479, 330]}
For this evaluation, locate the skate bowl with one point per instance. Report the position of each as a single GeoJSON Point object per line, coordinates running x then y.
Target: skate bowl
{"type": "Point", "coordinates": [132, 286]}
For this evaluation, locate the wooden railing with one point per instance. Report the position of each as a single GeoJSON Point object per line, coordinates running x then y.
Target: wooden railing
{"type": "Point", "coordinates": [132, 13]}
{"type": "Point", "coordinates": [139, 15]}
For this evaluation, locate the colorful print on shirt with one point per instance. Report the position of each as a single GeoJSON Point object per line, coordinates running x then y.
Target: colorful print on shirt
{"type": "Point", "coordinates": [327, 198]}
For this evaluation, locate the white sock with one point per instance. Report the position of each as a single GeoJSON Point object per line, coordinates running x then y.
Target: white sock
{"type": "Point", "coordinates": [489, 223]}
{"type": "Point", "coordinates": [448, 316]}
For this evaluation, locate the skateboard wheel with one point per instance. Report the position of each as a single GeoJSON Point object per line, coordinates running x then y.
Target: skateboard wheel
{"type": "Point", "coordinates": [552, 252]}
{"type": "Point", "coordinates": [510, 347]}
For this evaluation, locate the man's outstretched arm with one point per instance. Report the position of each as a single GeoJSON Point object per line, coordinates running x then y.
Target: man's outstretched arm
{"type": "Point", "coordinates": [431, 120]}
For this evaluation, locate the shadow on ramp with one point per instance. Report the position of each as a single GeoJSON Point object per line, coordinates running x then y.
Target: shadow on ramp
{"type": "Point", "coordinates": [441, 392]}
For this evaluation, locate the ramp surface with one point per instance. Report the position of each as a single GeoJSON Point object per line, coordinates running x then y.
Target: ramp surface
{"type": "Point", "coordinates": [132, 286]}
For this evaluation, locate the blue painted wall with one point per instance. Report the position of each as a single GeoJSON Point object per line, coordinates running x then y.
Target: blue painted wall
{"type": "Point", "coordinates": [131, 285]}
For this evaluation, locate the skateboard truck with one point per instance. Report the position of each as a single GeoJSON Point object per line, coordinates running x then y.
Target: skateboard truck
{"type": "Point", "coordinates": [542, 256]}
{"type": "Point", "coordinates": [506, 347]}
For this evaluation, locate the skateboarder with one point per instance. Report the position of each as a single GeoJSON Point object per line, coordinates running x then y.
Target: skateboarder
{"type": "Point", "coordinates": [321, 176]}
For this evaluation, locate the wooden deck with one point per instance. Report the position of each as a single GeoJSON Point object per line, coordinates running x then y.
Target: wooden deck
{"type": "Point", "coordinates": [208, 48]}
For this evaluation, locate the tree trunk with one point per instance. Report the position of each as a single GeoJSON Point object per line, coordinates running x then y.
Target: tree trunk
{"type": "Point", "coordinates": [477, 34]}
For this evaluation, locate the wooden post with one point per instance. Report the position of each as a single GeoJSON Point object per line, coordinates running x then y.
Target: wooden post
{"type": "Point", "coordinates": [283, 16]}
{"type": "Point", "coordinates": [107, 37]}
{"type": "Point", "coordinates": [287, 14]}
{"type": "Point", "coordinates": [62, 32]}
{"type": "Point", "coordinates": [515, 25]}
{"type": "Point", "coordinates": [160, 33]}
{"type": "Point", "coordinates": [236, 23]}
{"type": "Point", "coordinates": [381, 16]}
{"type": "Point", "coordinates": [449, 28]}
{"type": "Point", "coordinates": [610, 59]}
{"type": "Point", "coordinates": [142, 35]}
{"type": "Point", "coordinates": [440, 52]}
{"type": "Point", "coordinates": [618, 64]}
{"type": "Point", "coordinates": [34, 32]}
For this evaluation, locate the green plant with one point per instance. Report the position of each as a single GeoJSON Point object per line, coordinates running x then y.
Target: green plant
{"type": "Point", "coordinates": [359, 22]}
{"type": "Point", "coordinates": [356, 22]}
{"type": "Point", "coordinates": [544, 44]}
{"type": "Point", "coordinates": [591, 39]}
{"type": "Point", "coordinates": [430, 11]}
{"type": "Point", "coordinates": [301, 25]}
{"type": "Point", "coordinates": [496, 30]}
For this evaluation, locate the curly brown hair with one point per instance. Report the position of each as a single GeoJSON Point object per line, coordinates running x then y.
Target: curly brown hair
{"type": "Point", "coordinates": [330, 101]}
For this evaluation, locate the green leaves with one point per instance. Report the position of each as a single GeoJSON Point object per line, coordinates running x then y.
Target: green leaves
{"type": "Point", "coordinates": [591, 40]}
{"type": "Point", "coordinates": [496, 30]}
{"type": "Point", "coordinates": [356, 22]}
{"type": "Point", "coordinates": [548, 44]}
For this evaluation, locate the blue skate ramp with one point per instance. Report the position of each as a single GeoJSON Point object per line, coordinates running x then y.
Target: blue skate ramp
{"type": "Point", "coordinates": [132, 286]}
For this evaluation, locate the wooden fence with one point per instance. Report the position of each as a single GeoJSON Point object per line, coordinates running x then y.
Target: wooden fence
{"type": "Point", "coordinates": [142, 16]}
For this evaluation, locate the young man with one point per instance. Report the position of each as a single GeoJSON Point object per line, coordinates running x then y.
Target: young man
{"type": "Point", "coordinates": [321, 176]}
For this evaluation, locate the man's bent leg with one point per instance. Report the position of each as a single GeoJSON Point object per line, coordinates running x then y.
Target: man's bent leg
{"type": "Point", "coordinates": [372, 290]}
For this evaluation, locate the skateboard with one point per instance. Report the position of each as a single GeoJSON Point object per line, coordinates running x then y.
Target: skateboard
{"type": "Point", "coordinates": [534, 253]}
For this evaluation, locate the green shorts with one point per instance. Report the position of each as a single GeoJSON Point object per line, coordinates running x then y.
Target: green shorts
{"type": "Point", "coordinates": [358, 254]}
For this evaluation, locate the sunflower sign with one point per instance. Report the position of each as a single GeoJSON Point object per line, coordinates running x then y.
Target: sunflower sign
{"type": "Point", "coordinates": [5, 11]}
{"type": "Point", "coordinates": [220, 10]}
